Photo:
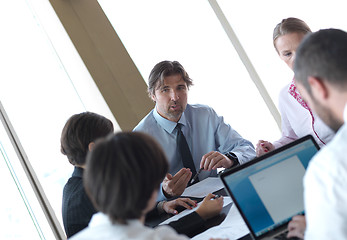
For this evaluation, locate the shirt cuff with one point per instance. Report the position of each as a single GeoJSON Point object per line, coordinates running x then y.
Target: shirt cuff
{"type": "Point", "coordinates": [161, 196]}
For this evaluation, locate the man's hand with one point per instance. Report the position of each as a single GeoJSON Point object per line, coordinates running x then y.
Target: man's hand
{"type": "Point", "coordinates": [213, 160]}
{"type": "Point", "coordinates": [175, 185]}
{"type": "Point", "coordinates": [297, 227]}
{"type": "Point", "coordinates": [170, 206]}
{"type": "Point", "coordinates": [263, 147]}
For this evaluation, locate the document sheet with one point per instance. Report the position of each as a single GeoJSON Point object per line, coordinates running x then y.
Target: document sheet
{"type": "Point", "coordinates": [204, 187]}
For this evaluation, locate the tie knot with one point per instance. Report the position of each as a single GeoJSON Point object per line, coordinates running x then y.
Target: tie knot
{"type": "Point", "coordinates": [179, 126]}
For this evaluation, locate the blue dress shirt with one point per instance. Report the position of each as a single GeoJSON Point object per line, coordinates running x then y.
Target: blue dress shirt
{"type": "Point", "coordinates": [204, 130]}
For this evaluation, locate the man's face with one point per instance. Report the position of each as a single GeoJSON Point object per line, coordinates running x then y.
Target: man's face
{"type": "Point", "coordinates": [324, 112]}
{"type": "Point", "coordinates": [171, 97]}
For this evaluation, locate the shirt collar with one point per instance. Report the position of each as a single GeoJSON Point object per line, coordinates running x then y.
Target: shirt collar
{"type": "Point", "coordinates": [168, 125]}
{"type": "Point", "coordinates": [78, 172]}
{"type": "Point", "coordinates": [183, 120]}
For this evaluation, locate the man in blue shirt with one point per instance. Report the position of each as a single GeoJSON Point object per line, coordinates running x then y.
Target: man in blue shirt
{"type": "Point", "coordinates": [212, 143]}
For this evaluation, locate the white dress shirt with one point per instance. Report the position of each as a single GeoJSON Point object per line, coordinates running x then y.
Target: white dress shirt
{"type": "Point", "coordinates": [100, 227]}
{"type": "Point", "coordinates": [325, 190]}
{"type": "Point", "coordinates": [297, 121]}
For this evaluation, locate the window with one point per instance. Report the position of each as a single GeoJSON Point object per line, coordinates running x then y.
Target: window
{"type": "Point", "coordinates": [39, 92]}
{"type": "Point", "coordinates": [189, 32]}
{"type": "Point", "coordinates": [254, 21]}
{"type": "Point", "coordinates": [19, 206]}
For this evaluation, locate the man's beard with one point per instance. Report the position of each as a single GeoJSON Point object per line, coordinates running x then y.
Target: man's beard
{"type": "Point", "coordinates": [175, 113]}
{"type": "Point", "coordinates": [327, 115]}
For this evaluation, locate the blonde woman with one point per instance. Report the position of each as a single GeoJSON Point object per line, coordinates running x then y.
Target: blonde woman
{"type": "Point", "coordinates": [297, 117]}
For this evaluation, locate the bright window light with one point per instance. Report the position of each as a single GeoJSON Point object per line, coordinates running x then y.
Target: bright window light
{"type": "Point", "coordinates": [19, 206]}
{"type": "Point", "coordinates": [40, 89]}
{"type": "Point", "coordinates": [189, 32]}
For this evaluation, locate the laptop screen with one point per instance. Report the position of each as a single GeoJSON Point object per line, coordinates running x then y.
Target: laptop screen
{"type": "Point", "coordinates": [269, 190]}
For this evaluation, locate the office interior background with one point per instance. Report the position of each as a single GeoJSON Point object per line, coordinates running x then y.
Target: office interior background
{"type": "Point", "coordinates": [62, 57]}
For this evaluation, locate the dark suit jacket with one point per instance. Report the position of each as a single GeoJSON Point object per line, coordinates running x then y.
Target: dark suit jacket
{"type": "Point", "coordinates": [78, 210]}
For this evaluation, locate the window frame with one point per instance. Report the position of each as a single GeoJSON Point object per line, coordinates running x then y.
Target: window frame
{"type": "Point", "coordinates": [30, 173]}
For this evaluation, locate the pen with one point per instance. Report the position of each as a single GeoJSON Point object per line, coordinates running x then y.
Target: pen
{"type": "Point", "coordinates": [216, 196]}
{"type": "Point", "coordinates": [196, 176]}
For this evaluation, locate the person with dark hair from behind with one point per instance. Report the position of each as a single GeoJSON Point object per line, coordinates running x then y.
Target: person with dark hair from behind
{"type": "Point", "coordinates": [321, 74]}
{"type": "Point", "coordinates": [122, 178]}
{"type": "Point", "coordinates": [77, 139]}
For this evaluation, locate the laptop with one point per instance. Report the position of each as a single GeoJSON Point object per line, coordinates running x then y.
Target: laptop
{"type": "Point", "coordinates": [268, 191]}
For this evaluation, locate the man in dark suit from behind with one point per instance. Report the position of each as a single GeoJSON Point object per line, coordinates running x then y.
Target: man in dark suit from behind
{"type": "Point", "coordinates": [77, 139]}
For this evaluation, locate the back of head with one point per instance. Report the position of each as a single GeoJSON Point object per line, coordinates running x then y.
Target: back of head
{"type": "Point", "coordinates": [122, 172]}
{"type": "Point", "coordinates": [290, 25]}
{"type": "Point", "coordinates": [80, 130]}
{"type": "Point", "coordinates": [323, 55]}
{"type": "Point", "coordinates": [164, 69]}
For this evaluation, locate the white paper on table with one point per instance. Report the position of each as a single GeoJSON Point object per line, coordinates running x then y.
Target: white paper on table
{"type": "Point", "coordinates": [233, 227]}
{"type": "Point", "coordinates": [204, 187]}
{"type": "Point", "coordinates": [227, 200]}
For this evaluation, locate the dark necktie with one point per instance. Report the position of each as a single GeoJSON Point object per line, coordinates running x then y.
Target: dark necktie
{"type": "Point", "coordinates": [184, 151]}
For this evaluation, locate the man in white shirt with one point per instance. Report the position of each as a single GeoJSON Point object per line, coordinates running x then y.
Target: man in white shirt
{"type": "Point", "coordinates": [321, 77]}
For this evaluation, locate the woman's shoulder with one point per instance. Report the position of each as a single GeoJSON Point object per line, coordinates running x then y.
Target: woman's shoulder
{"type": "Point", "coordinates": [285, 90]}
{"type": "Point", "coordinates": [167, 233]}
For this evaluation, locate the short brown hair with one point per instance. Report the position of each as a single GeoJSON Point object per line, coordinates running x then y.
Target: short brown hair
{"type": "Point", "coordinates": [323, 55]}
{"type": "Point", "coordinates": [122, 172]}
{"type": "Point", "coordinates": [165, 69]}
{"type": "Point", "coordinates": [290, 25]}
{"type": "Point", "coordinates": [80, 130]}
